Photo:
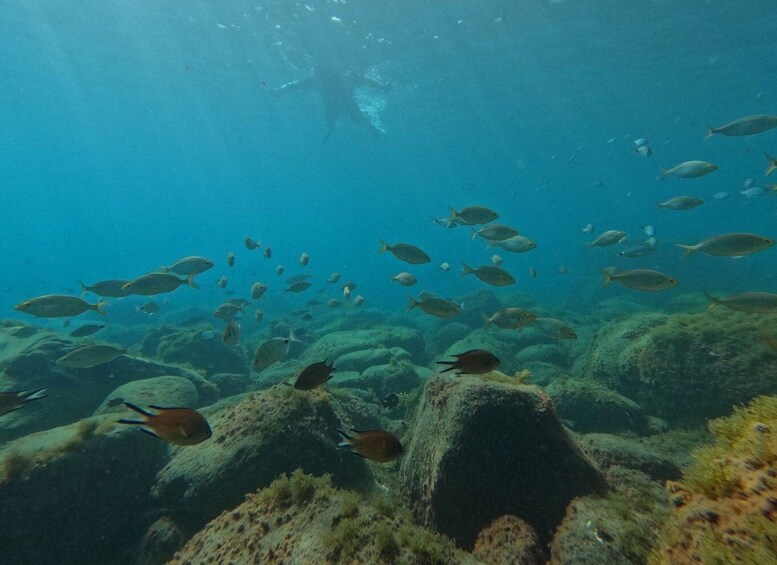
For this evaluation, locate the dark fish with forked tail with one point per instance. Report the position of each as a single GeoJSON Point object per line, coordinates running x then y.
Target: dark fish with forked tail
{"type": "Point", "coordinates": [179, 426]}
{"type": "Point", "coordinates": [376, 445]}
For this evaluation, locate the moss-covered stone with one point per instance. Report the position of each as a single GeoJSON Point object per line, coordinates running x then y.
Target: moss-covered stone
{"type": "Point", "coordinates": [616, 529]}
{"type": "Point", "coordinates": [686, 367]}
{"type": "Point", "coordinates": [159, 391]}
{"type": "Point", "coordinates": [593, 407]}
{"type": "Point", "coordinates": [480, 450]}
{"type": "Point", "coordinates": [305, 519]}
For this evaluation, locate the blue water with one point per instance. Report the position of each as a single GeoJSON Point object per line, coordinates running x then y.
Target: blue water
{"type": "Point", "coordinates": [132, 134]}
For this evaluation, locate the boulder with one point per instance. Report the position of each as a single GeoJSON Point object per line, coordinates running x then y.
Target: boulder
{"type": "Point", "coordinates": [254, 441]}
{"type": "Point", "coordinates": [608, 450]}
{"type": "Point", "coordinates": [509, 540]}
{"type": "Point", "coordinates": [617, 529]}
{"type": "Point", "coordinates": [334, 345]}
{"type": "Point", "coordinates": [74, 494]}
{"type": "Point", "coordinates": [200, 347]}
{"type": "Point", "coordinates": [304, 519]}
{"type": "Point", "coordinates": [593, 407]}
{"type": "Point", "coordinates": [362, 360]}
{"type": "Point", "coordinates": [160, 542]}
{"type": "Point", "coordinates": [385, 379]}
{"type": "Point", "coordinates": [484, 448]}
{"type": "Point", "coordinates": [230, 384]}
{"type": "Point", "coordinates": [686, 368]}
{"type": "Point", "coordinates": [28, 359]}
{"type": "Point", "coordinates": [159, 391]}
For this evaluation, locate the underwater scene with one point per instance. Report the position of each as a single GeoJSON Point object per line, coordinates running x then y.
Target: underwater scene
{"type": "Point", "coordinates": [347, 281]}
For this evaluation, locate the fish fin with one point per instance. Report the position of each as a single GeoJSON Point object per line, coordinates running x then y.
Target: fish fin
{"type": "Point", "coordinates": [659, 205]}
{"type": "Point", "coordinates": [383, 246]}
{"type": "Point", "coordinates": [689, 249]}
{"type": "Point", "coordinates": [293, 338]}
{"type": "Point", "coordinates": [772, 164]}
{"type": "Point", "coordinates": [607, 278]}
{"type": "Point", "coordinates": [149, 432]}
{"type": "Point", "coordinates": [466, 269]}
{"type": "Point", "coordinates": [34, 395]}
{"type": "Point", "coordinates": [131, 422]}
{"type": "Point", "coordinates": [713, 301]}
{"type": "Point", "coordinates": [454, 215]}
{"type": "Point", "coordinates": [412, 303]}
{"type": "Point", "coordinates": [155, 407]}
{"type": "Point", "coordinates": [84, 288]}
{"type": "Point", "coordinates": [486, 319]}
{"type": "Point", "coordinates": [137, 409]}
{"type": "Point", "coordinates": [710, 132]}
{"type": "Point", "coordinates": [343, 433]}
{"type": "Point", "coordinates": [100, 307]}
{"type": "Point", "coordinates": [392, 278]}
{"type": "Point", "coordinates": [664, 173]}
{"type": "Point", "coordinates": [474, 233]}
{"type": "Point", "coordinates": [163, 269]}
{"type": "Point", "coordinates": [191, 283]}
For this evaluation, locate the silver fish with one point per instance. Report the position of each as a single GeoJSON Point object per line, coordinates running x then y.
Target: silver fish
{"type": "Point", "coordinates": [729, 245]}
{"type": "Point", "coordinates": [690, 169]}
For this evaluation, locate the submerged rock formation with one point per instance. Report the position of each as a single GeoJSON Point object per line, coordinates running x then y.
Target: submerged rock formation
{"type": "Point", "coordinates": [686, 367]}
{"type": "Point", "coordinates": [482, 449]}
{"type": "Point", "coordinates": [77, 493]}
{"type": "Point", "coordinates": [303, 519]}
{"type": "Point", "coordinates": [254, 441]}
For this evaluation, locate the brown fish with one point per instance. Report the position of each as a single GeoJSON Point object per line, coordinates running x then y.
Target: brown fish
{"type": "Point", "coordinates": [314, 375]}
{"type": "Point", "coordinates": [251, 244]}
{"type": "Point", "coordinates": [10, 401]}
{"type": "Point", "coordinates": [376, 445]}
{"type": "Point", "coordinates": [472, 362]}
{"type": "Point", "coordinates": [157, 283]}
{"type": "Point", "coordinates": [179, 426]}
{"type": "Point", "coordinates": [232, 333]}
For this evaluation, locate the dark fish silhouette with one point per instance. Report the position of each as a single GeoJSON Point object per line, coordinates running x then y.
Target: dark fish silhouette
{"type": "Point", "coordinates": [179, 426]}
{"type": "Point", "coordinates": [377, 445]}
{"type": "Point", "coordinates": [314, 375]}
{"type": "Point", "coordinates": [472, 362]}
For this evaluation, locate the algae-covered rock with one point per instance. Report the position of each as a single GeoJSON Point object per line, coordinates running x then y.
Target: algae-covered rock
{"type": "Point", "coordinates": [552, 353]}
{"type": "Point", "coordinates": [304, 519]}
{"type": "Point", "coordinates": [617, 529]}
{"type": "Point", "coordinates": [198, 346]}
{"type": "Point", "coordinates": [386, 379]}
{"type": "Point", "coordinates": [509, 540]}
{"type": "Point", "coordinates": [334, 345]}
{"type": "Point", "coordinates": [230, 384]}
{"type": "Point", "coordinates": [686, 368]}
{"type": "Point", "coordinates": [543, 374]}
{"type": "Point", "coordinates": [441, 336]}
{"type": "Point", "coordinates": [593, 407]}
{"type": "Point", "coordinates": [28, 359]}
{"type": "Point", "coordinates": [725, 506]}
{"type": "Point", "coordinates": [482, 448]}
{"type": "Point", "coordinates": [255, 440]}
{"type": "Point", "coordinates": [73, 494]}
{"type": "Point", "coordinates": [159, 391]}
{"type": "Point", "coordinates": [363, 359]}
{"type": "Point", "coordinates": [160, 542]}
{"type": "Point", "coordinates": [608, 450]}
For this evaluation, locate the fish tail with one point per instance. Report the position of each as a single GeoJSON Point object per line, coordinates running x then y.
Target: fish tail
{"type": "Point", "coordinates": [607, 278]}
{"type": "Point", "coordinates": [392, 278]}
{"type": "Point", "coordinates": [454, 215]}
{"type": "Point", "coordinates": [486, 319]}
{"type": "Point", "coordinates": [293, 337]}
{"type": "Point", "coordinates": [137, 409]}
{"type": "Point", "coordinates": [713, 301]}
{"type": "Point", "coordinates": [466, 269]}
{"type": "Point", "coordinates": [163, 269]}
{"type": "Point", "coordinates": [84, 288]}
{"type": "Point", "coordinates": [346, 439]}
{"type": "Point", "coordinates": [474, 233]}
{"type": "Point", "coordinates": [131, 422]}
{"type": "Point", "coordinates": [34, 395]}
{"type": "Point", "coordinates": [191, 283]}
{"type": "Point", "coordinates": [100, 307]}
{"type": "Point", "coordinates": [383, 246]}
{"type": "Point", "coordinates": [689, 249]}
{"type": "Point", "coordinates": [659, 205]}
{"type": "Point", "coordinates": [411, 303]}
{"type": "Point", "coordinates": [664, 173]}
{"type": "Point", "coordinates": [451, 363]}
{"type": "Point", "coordinates": [710, 132]}
{"type": "Point", "coordinates": [772, 164]}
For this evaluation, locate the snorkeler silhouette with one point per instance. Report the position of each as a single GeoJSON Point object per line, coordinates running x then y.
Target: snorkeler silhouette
{"type": "Point", "coordinates": [337, 93]}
